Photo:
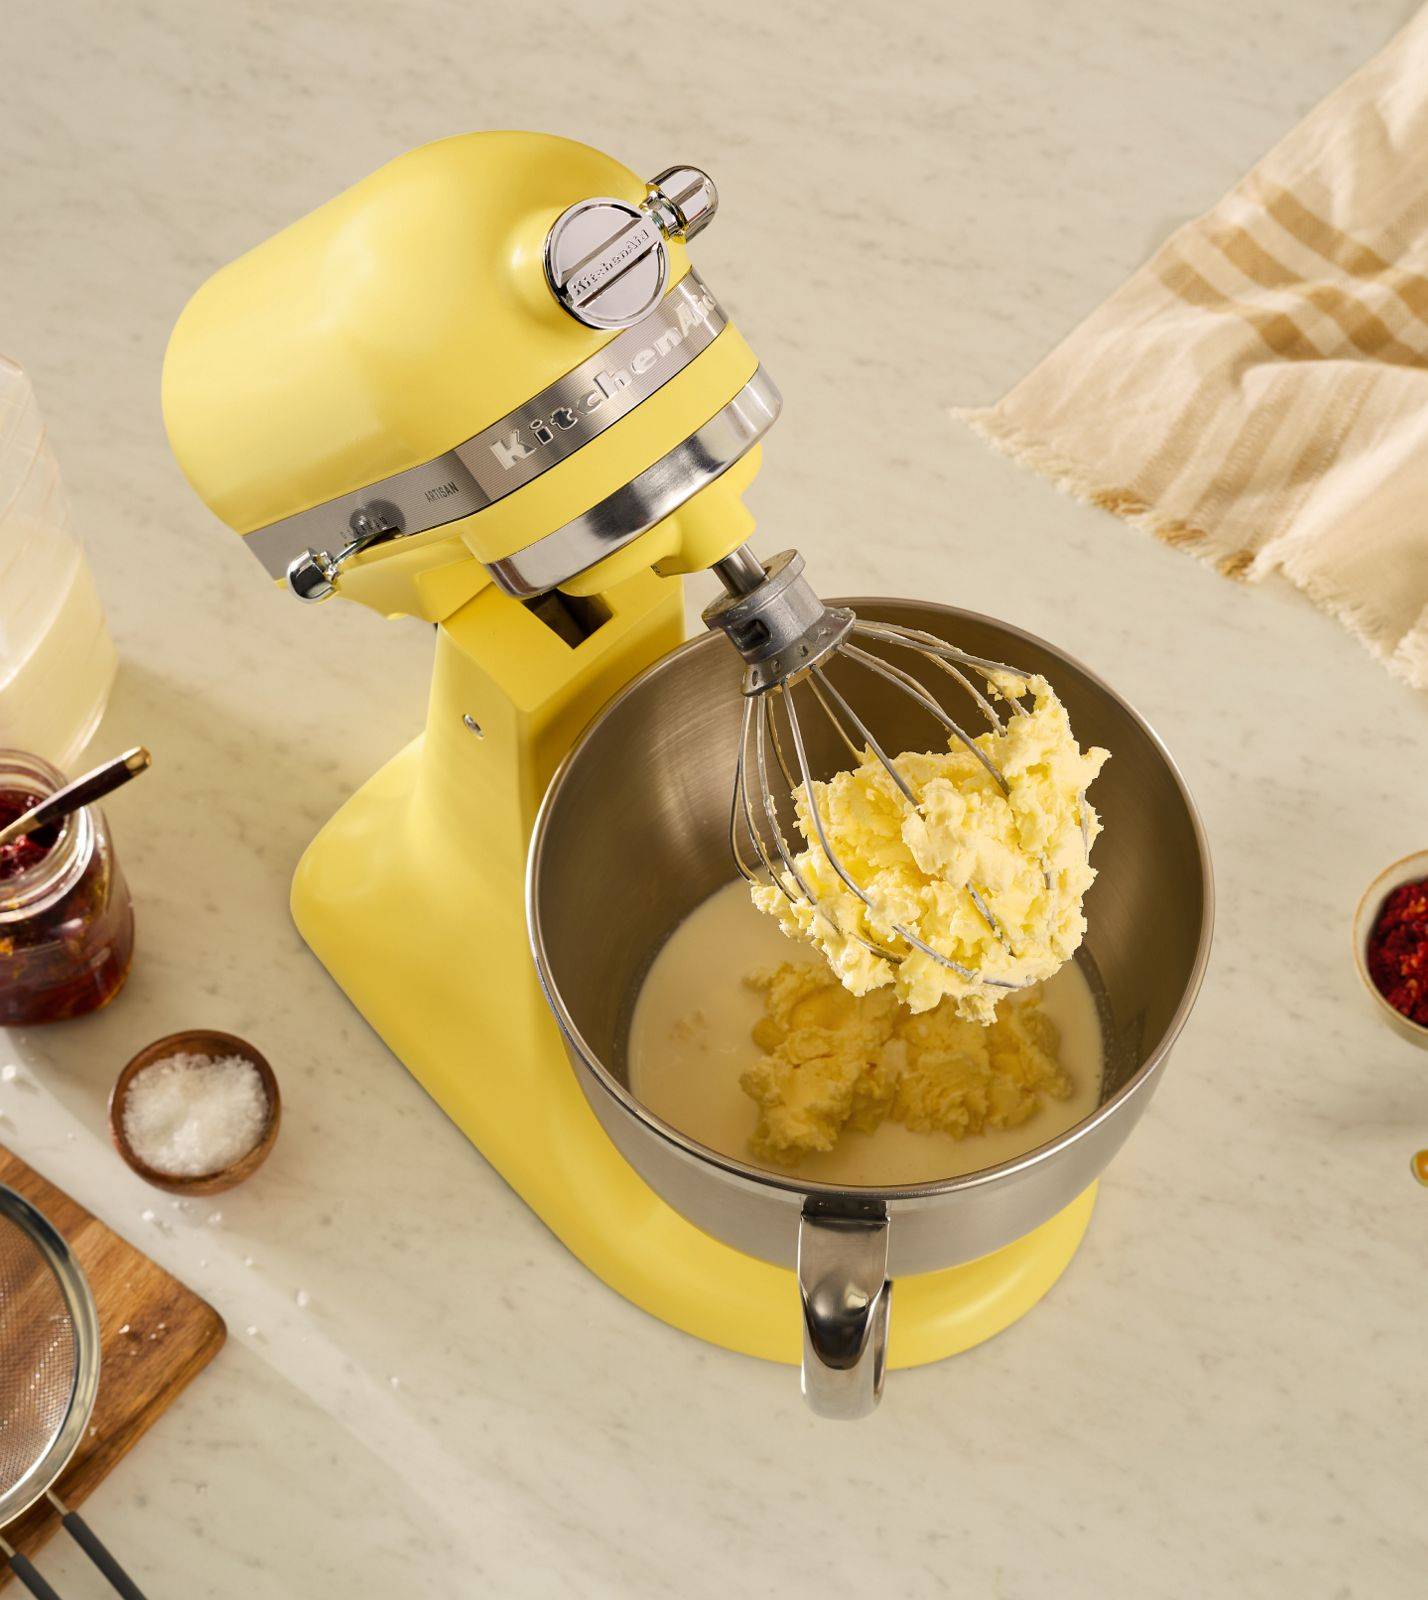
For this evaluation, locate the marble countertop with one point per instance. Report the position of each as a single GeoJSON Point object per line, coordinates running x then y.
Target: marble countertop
{"type": "Point", "coordinates": [1226, 1393]}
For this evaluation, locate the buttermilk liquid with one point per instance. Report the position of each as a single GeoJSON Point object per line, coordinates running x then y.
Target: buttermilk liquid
{"type": "Point", "coordinates": [690, 1039]}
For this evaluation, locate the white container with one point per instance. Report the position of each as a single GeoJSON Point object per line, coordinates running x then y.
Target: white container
{"type": "Point", "coordinates": [57, 661]}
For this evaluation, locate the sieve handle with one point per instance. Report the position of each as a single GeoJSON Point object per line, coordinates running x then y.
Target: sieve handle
{"type": "Point", "coordinates": [88, 1541]}
{"type": "Point", "coordinates": [25, 1572]}
{"type": "Point", "coordinates": [846, 1296]}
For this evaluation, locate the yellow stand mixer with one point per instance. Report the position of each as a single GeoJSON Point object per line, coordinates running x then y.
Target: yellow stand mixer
{"type": "Point", "coordinates": [485, 388]}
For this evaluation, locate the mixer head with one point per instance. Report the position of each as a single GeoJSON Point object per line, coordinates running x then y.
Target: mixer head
{"type": "Point", "coordinates": [489, 361]}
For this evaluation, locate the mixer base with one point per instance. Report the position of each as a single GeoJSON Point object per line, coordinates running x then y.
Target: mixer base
{"type": "Point", "coordinates": [413, 899]}
{"type": "Point", "coordinates": [476, 1033]}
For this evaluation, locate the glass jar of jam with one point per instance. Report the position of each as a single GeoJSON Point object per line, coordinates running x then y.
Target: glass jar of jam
{"type": "Point", "coordinates": [66, 920]}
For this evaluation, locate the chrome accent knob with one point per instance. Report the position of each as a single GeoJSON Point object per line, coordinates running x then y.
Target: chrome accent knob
{"type": "Point", "coordinates": [683, 200]}
{"type": "Point", "coordinates": [313, 575]}
{"type": "Point", "coordinates": [606, 263]}
{"type": "Point", "coordinates": [606, 260]}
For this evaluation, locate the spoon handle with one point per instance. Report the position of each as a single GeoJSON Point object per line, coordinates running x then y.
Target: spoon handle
{"type": "Point", "coordinates": [82, 792]}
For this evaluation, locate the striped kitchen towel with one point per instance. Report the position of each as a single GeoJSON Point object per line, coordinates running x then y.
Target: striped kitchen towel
{"type": "Point", "coordinates": [1257, 393]}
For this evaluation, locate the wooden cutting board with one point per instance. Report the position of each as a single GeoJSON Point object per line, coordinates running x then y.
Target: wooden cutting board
{"type": "Point", "coordinates": [172, 1335]}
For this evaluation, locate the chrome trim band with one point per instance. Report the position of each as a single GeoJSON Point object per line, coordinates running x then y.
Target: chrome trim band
{"type": "Point", "coordinates": [647, 498]}
{"type": "Point", "coordinates": [548, 428]}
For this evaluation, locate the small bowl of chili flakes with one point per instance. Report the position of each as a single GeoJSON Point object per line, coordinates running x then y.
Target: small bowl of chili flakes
{"type": "Point", "coordinates": [1391, 945]}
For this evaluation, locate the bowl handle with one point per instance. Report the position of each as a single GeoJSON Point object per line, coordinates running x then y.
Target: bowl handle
{"type": "Point", "coordinates": [843, 1285]}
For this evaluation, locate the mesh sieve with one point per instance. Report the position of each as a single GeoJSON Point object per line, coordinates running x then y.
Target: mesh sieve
{"type": "Point", "coordinates": [49, 1354]}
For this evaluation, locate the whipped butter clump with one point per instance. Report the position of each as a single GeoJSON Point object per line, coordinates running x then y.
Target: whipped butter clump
{"type": "Point", "coordinates": [1023, 853]}
{"type": "Point", "coordinates": [833, 1061]}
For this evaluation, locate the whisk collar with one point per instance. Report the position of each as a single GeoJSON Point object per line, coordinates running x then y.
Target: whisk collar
{"type": "Point", "coordinates": [776, 622]}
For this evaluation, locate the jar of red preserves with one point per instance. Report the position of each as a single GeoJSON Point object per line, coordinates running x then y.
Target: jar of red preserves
{"type": "Point", "coordinates": [66, 920]}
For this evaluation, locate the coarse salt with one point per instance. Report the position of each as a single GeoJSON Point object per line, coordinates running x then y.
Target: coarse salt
{"type": "Point", "coordinates": [190, 1114]}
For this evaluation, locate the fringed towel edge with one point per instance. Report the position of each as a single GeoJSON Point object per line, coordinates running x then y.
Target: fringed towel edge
{"type": "Point", "coordinates": [1406, 658]}
{"type": "Point", "coordinates": [1072, 478]}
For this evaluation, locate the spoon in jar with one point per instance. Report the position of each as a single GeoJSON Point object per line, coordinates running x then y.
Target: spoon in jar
{"type": "Point", "coordinates": [104, 779]}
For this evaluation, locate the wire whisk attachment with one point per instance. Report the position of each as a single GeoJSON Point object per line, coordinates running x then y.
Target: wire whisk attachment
{"type": "Point", "coordinates": [956, 872]}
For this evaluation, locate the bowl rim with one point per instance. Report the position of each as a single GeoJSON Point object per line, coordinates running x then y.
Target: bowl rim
{"type": "Point", "coordinates": [763, 1178]}
{"type": "Point", "coordinates": [1378, 890]}
{"type": "Point", "coordinates": [221, 1178]}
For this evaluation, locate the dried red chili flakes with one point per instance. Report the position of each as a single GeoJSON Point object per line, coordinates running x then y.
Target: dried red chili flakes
{"type": "Point", "coordinates": [1398, 951]}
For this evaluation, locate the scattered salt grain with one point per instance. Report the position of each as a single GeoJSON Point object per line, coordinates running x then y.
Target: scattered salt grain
{"type": "Point", "coordinates": [9, 1072]}
{"type": "Point", "coordinates": [190, 1114]}
{"type": "Point", "coordinates": [303, 1299]}
{"type": "Point", "coordinates": [247, 1261]}
{"type": "Point", "coordinates": [252, 1330]}
{"type": "Point", "coordinates": [395, 1381]}
{"type": "Point", "coordinates": [214, 1218]}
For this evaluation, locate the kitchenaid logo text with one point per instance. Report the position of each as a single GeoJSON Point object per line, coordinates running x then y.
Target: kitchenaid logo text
{"type": "Point", "coordinates": [638, 240]}
{"type": "Point", "coordinates": [521, 443]}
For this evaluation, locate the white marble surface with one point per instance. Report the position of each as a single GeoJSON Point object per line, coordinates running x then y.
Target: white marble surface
{"type": "Point", "coordinates": [1225, 1395]}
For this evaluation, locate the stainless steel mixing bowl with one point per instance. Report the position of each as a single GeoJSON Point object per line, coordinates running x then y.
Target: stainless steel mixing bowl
{"type": "Point", "coordinates": [633, 834]}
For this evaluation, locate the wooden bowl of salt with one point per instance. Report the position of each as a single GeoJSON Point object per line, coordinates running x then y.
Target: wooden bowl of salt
{"type": "Point", "coordinates": [195, 1112]}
